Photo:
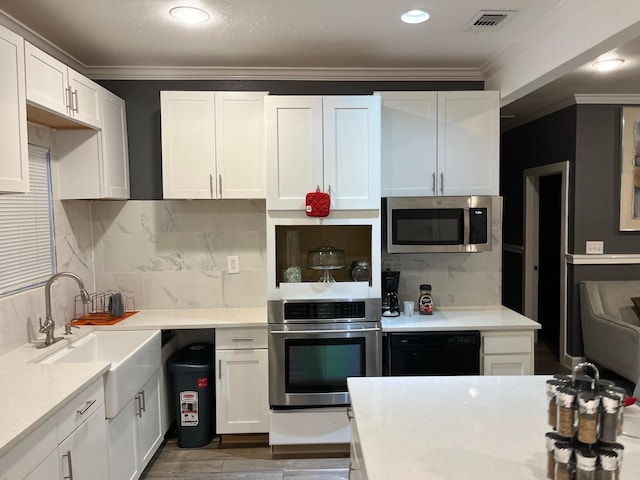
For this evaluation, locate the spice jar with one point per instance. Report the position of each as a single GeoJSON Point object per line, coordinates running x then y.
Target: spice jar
{"type": "Point", "coordinates": [552, 411]}
{"type": "Point", "coordinates": [618, 448]}
{"type": "Point", "coordinates": [609, 417]}
{"type": "Point", "coordinates": [585, 465]}
{"type": "Point", "coordinates": [587, 417]}
{"type": "Point", "coordinates": [621, 393]}
{"type": "Point", "coordinates": [562, 454]}
{"type": "Point", "coordinates": [425, 302]}
{"type": "Point", "coordinates": [608, 460]}
{"type": "Point", "coordinates": [550, 442]}
{"type": "Point", "coordinates": [565, 397]}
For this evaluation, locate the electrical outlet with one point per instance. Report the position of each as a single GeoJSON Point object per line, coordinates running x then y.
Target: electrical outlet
{"type": "Point", "coordinates": [233, 264]}
{"type": "Point", "coordinates": [595, 247]}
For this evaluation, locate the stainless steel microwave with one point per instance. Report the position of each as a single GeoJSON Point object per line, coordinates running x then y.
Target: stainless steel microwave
{"type": "Point", "coordinates": [438, 224]}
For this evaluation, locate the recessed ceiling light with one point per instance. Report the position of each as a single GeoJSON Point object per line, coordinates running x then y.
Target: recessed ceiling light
{"type": "Point", "coordinates": [415, 16]}
{"type": "Point", "coordinates": [190, 15]}
{"type": "Point", "coordinates": [608, 64]}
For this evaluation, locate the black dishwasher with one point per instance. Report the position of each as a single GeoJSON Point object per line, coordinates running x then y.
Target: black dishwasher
{"type": "Point", "coordinates": [434, 353]}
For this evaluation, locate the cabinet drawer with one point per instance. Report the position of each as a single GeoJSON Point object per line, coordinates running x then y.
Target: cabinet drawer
{"type": "Point", "coordinates": [509, 343]}
{"type": "Point", "coordinates": [239, 338]}
{"type": "Point", "coordinates": [79, 409]}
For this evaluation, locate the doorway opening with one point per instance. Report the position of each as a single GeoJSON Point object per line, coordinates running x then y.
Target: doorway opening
{"type": "Point", "coordinates": [545, 248]}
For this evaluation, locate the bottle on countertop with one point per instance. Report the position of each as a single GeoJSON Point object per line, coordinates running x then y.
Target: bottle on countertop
{"type": "Point", "coordinates": [425, 302]}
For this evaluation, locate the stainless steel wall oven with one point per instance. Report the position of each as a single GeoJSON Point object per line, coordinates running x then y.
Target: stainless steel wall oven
{"type": "Point", "coordinates": [315, 345]}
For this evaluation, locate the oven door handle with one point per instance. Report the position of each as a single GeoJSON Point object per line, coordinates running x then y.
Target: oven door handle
{"type": "Point", "coordinates": [355, 330]}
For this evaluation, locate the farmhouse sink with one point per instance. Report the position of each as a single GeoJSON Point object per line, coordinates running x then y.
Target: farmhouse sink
{"type": "Point", "coordinates": [134, 357]}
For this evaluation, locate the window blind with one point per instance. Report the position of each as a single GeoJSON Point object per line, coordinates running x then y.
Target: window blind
{"type": "Point", "coordinates": [26, 229]}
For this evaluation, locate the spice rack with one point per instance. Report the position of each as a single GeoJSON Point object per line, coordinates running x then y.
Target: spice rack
{"type": "Point", "coordinates": [586, 415]}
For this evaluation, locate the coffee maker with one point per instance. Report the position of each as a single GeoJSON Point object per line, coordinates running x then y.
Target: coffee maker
{"type": "Point", "coordinates": [390, 307]}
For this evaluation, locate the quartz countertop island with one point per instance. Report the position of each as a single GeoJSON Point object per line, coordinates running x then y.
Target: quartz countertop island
{"type": "Point", "coordinates": [444, 428]}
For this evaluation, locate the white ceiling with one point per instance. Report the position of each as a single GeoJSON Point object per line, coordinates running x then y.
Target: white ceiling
{"type": "Point", "coordinates": [330, 39]}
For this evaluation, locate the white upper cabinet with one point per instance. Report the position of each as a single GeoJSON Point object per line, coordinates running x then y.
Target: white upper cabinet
{"type": "Point", "coordinates": [213, 144]}
{"type": "Point", "coordinates": [469, 143]}
{"type": "Point", "coordinates": [95, 164]}
{"type": "Point", "coordinates": [440, 143]}
{"type": "Point", "coordinates": [331, 142]}
{"type": "Point", "coordinates": [56, 88]}
{"type": "Point", "coordinates": [14, 160]}
{"type": "Point", "coordinates": [409, 135]}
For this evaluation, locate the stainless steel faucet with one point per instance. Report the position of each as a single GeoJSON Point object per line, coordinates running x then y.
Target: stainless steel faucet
{"type": "Point", "coordinates": [49, 325]}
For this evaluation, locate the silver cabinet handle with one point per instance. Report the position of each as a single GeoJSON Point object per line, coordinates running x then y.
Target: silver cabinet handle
{"type": "Point", "coordinates": [67, 92]}
{"type": "Point", "coordinates": [219, 369]}
{"type": "Point", "coordinates": [242, 339]}
{"type": "Point", "coordinates": [442, 183]}
{"type": "Point", "coordinates": [68, 456]}
{"type": "Point", "coordinates": [143, 407]}
{"type": "Point", "coordinates": [87, 406]}
{"type": "Point", "coordinates": [210, 185]}
{"type": "Point", "coordinates": [433, 182]}
{"type": "Point", "coordinates": [219, 186]}
{"type": "Point", "coordinates": [349, 413]}
{"type": "Point", "coordinates": [74, 94]}
{"type": "Point", "coordinates": [139, 406]}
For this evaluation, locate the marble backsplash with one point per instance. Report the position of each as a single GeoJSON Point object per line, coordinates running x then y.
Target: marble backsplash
{"type": "Point", "coordinates": [173, 254]}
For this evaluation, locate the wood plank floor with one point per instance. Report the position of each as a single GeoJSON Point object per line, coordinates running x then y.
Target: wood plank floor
{"type": "Point", "coordinates": [256, 463]}
{"type": "Point", "coordinates": [249, 463]}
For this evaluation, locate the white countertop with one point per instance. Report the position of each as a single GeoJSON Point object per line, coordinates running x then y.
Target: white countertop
{"type": "Point", "coordinates": [444, 428]}
{"type": "Point", "coordinates": [458, 319]}
{"type": "Point", "coordinates": [31, 392]}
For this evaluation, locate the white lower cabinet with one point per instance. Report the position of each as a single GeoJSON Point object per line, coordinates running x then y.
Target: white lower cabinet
{"type": "Point", "coordinates": [135, 433]}
{"type": "Point", "coordinates": [242, 388]}
{"type": "Point", "coordinates": [507, 353]}
{"type": "Point", "coordinates": [71, 444]}
{"type": "Point", "coordinates": [83, 453]}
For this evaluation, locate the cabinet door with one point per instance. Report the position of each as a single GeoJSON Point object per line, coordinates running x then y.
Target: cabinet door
{"type": "Point", "coordinates": [122, 443]}
{"type": "Point", "coordinates": [293, 128]}
{"type": "Point", "coordinates": [188, 144]}
{"type": "Point", "coordinates": [86, 99]}
{"type": "Point", "coordinates": [352, 151]}
{"type": "Point", "coordinates": [409, 136]}
{"type": "Point", "coordinates": [242, 391]}
{"type": "Point", "coordinates": [517, 364]}
{"type": "Point", "coordinates": [45, 470]}
{"type": "Point", "coordinates": [150, 419]}
{"type": "Point", "coordinates": [14, 166]}
{"type": "Point", "coordinates": [468, 143]}
{"type": "Point", "coordinates": [115, 149]}
{"type": "Point", "coordinates": [84, 452]}
{"type": "Point", "coordinates": [240, 155]}
{"type": "Point", "coordinates": [47, 81]}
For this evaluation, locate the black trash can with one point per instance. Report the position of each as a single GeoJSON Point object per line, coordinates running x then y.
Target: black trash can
{"type": "Point", "coordinates": [193, 394]}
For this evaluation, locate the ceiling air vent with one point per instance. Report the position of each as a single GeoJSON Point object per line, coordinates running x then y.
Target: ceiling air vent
{"type": "Point", "coordinates": [488, 20]}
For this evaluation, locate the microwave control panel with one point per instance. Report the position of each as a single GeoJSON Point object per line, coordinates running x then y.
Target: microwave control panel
{"type": "Point", "coordinates": [478, 225]}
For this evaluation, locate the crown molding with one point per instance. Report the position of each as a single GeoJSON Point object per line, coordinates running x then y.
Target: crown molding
{"type": "Point", "coordinates": [281, 73]}
{"type": "Point", "coordinates": [607, 99]}
{"type": "Point", "coordinates": [39, 41]}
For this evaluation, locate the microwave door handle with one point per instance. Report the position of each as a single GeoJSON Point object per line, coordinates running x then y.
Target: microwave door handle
{"type": "Point", "coordinates": [467, 227]}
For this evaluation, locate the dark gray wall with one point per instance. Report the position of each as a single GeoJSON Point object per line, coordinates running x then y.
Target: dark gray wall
{"type": "Point", "coordinates": [143, 113]}
{"type": "Point", "coordinates": [589, 136]}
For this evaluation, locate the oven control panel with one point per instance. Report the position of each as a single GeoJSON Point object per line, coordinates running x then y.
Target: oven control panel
{"type": "Point", "coordinates": [324, 310]}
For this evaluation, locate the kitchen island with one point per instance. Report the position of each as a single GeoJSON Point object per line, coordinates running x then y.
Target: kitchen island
{"type": "Point", "coordinates": [443, 428]}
